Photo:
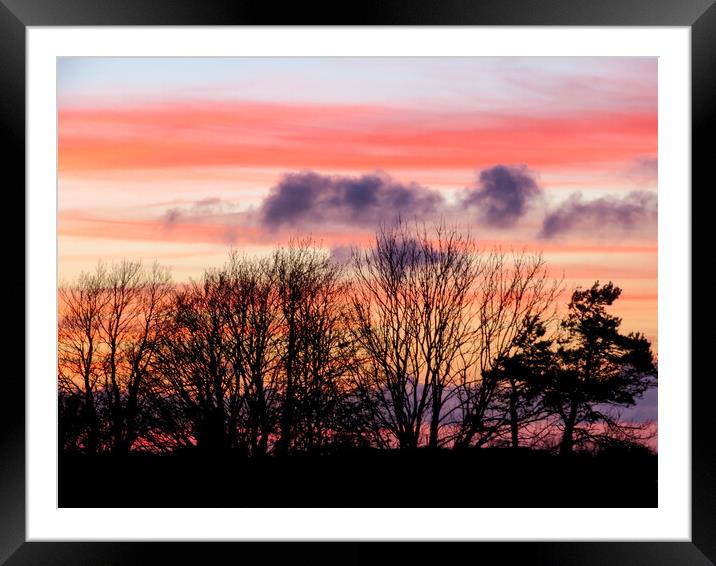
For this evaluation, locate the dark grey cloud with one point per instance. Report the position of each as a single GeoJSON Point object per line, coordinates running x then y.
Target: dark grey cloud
{"type": "Point", "coordinates": [635, 210]}
{"type": "Point", "coordinates": [308, 197]}
{"type": "Point", "coordinates": [502, 194]}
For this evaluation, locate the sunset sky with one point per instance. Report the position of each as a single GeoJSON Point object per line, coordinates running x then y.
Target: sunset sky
{"type": "Point", "coordinates": [180, 159]}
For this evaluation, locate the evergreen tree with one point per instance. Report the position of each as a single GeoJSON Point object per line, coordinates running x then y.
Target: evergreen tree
{"type": "Point", "coordinates": [599, 368]}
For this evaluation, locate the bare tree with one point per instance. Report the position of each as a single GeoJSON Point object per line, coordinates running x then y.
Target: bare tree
{"type": "Point", "coordinates": [195, 363]}
{"type": "Point", "coordinates": [136, 310]}
{"type": "Point", "coordinates": [110, 325]}
{"type": "Point", "coordinates": [253, 316]}
{"type": "Point", "coordinates": [411, 320]}
{"type": "Point", "coordinates": [81, 305]}
{"type": "Point", "coordinates": [425, 341]}
{"type": "Point", "coordinates": [446, 281]}
{"type": "Point", "coordinates": [306, 283]}
{"type": "Point", "coordinates": [512, 289]}
{"type": "Point", "coordinates": [319, 383]}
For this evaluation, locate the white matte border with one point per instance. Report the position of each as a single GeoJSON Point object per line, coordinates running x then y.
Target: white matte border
{"type": "Point", "coordinates": [670, 521]}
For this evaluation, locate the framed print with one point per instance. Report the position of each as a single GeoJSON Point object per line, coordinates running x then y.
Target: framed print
{"type": "Point", "coordinates": [412, 275]}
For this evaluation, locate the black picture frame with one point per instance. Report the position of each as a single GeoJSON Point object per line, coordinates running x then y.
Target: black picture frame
{"type": "Point", "coordinates": [17, 15]}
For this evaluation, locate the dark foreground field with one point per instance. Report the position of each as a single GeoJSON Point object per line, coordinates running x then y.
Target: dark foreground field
{"type": "Point", "coordinates": [421, 478]}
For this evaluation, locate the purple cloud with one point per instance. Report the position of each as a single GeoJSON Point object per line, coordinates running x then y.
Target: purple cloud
{"type": "Point", "coordinates": [310, 198]}
{"type": "Point", "coordinates": [502, 194]}
{"type": "Point", "coordinates": [637, 209]}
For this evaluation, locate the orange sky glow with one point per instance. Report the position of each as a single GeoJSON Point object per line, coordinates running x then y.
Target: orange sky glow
{"type": "Point", "coordinates": [181, 162]}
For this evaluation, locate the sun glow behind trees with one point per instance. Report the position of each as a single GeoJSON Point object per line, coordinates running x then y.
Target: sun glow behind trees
{"type": "Point", "coordinates": [423, 339]}
{"type": "Point", "coordinates": [176, 159]}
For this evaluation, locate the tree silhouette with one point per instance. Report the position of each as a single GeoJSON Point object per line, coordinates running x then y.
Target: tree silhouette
{"type": "Point", "coordinates": [424, 340]}
{"type": "Point", "coordinates": [194, 360]}
{"type": "Point", "coordinates": [253, 317]}
{"type": "Point", "coordinates": [111, 323]}
{"type": "Point", "coordinates": [410, 322]}
{"type": "Point", "coordinates": [79, 342]}
{"type": "Point", "coordinates": [522, 375]}
{"type": "Point", "coordinates": [599, 369]}
{"type": "Point", "coordinates": [512, 290]}
{"type": "Point", "coordinates": [307, 284]}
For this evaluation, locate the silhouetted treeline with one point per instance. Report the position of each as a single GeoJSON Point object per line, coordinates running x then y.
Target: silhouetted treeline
{"type": "Point", "coordinates": [422, 339]}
